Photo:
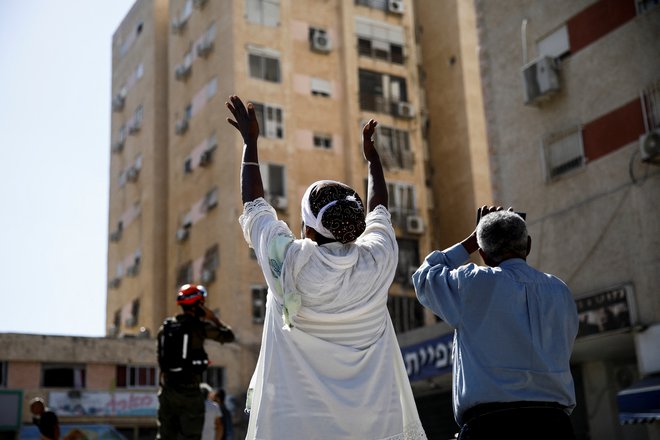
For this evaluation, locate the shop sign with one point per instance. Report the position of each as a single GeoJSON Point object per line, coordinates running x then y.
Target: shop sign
{"type": "Point", "coordinates": [429, 358]}
{"type": "Point", "coordinates": [609, 311]}
{"type": "Point", "coordinates": [84, 403]}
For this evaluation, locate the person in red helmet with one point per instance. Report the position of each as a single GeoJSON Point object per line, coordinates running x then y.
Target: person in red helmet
{"type": "Point", "coordinates": [182, 360]}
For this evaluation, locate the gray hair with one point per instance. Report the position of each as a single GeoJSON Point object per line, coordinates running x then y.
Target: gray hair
{"type": "Point", "coordinates": [500, 233]}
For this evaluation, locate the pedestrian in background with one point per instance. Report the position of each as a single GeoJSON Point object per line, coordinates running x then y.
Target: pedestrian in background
{"type": "Point", "coordinates": [213, 423]}
{"type": "Point", "coordinates": [182, 360]}
{"type": "Point", "coordinates": [514, 333]}
{"type": "Point", "coordinates": [45, 419]}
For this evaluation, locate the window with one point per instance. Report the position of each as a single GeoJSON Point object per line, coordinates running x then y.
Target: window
{"type": "Point", "coordinates": [211, 258]}
{"type": "Point", "coordinates": [264, 64]}
{"type": "Point", "coordinates": [401, 202]}
{"type": "Point", "coordinates": [563, 152]}
{"type": "Point", "coordinates": [139, 71]}
{"type": "Point", "coordinates": [323, 141]}
{"type": "Point", "coordinates": [406, 313]}
{"type": "Point", "coordinates": [62, 376]}
{"type": "Point", "coordinates": [270, 120]}
{"type": "Point", "coordinates": [375, 4]}
{"type": "Point", "coordinates": [381, 93]}
{"type": "Point", "coordinates": [187, 165]}
{"type": "Point", "coordinates": [211, 199]}
{"type": "Point", "coordinates": [215, 377]}
{"type": "Point", "coordinates": [408, 260]}
{"type": "Point", "coordinates": [266, 12]}
{"type": "Point", "coordinates": [379, 40]}
{"type": "Point", "coordinates": [274, 179]}
{"type": "Point", "coordinates": [259, 303]}
{"type": "Point", "coordinates": [3, 374]}
{"type": "Point", "coordinates": [394, 148]}
{"type": "Point", "coordinates": [321, 87]}
{"type": "Point", "coordinates": [184, 274]}
{"type": "Point", "coordinates": [132, 376]}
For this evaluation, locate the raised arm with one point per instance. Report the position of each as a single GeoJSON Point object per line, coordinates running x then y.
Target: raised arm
{"type": "Point", "coordinates": [245, 121]}
{"type": "Point", "coordinates": [376, 187]}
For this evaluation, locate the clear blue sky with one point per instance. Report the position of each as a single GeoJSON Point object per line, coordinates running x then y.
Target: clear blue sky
{"type": "Point", "coordinates": [54, 163]}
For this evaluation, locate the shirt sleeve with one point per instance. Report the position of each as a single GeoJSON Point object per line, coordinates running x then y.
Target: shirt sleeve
{"type": "Point", "coordinates": [379, 235]}
{"type": "Point", "coordinates": [269, 237]}
{"type": "Point", "coordinates": [221, 334]}
{"type": "Point", "coordinates": [437, 283]}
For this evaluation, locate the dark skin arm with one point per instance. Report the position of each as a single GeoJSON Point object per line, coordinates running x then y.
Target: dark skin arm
{"type": "Point", "coordinates": [376, 186]}
{"type": "Point", "coordinates": [245, 121]}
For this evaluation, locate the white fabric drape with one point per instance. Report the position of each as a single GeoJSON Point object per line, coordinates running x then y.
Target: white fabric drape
{"type": "Point", "coordinates": [337, 371]}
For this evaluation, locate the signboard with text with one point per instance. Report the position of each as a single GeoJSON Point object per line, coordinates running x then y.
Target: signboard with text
{"type": "Point", "coordinates": [606, 311]}
{"type": "Point", "coordinates": [83, 403]}
{"type": "Point", "coordinates": [429, 358]}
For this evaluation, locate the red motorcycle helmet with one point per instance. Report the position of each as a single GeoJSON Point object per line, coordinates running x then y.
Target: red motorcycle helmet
{"type": "Point", "coordinates": [190, 294]}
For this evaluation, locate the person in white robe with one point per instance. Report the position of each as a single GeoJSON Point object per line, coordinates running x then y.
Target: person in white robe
{"type": "Point", "coordinates": [329, 366]}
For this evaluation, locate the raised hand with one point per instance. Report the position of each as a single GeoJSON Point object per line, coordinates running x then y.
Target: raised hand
{"type": "Point", "coordinates": [245, 119]}
{"type": "Point", "coordinates": [368, 147]}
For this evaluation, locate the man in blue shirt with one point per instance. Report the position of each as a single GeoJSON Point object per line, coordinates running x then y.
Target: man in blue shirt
{"type": "Point", "coordinates": [514, 333]}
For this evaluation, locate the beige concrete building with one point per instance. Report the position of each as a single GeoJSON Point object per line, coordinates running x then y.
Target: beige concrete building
{"type": "Point", "coordinates": [570, 97]}
{"type": "Point", "coordinates": [316, 71]}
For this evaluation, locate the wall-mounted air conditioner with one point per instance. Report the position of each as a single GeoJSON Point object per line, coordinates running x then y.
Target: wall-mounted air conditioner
{"type": "Point", "coordinates": [395, 6]}
{"type": "Point", "coordinates": [204, 48]}
{"type": "Point", "coordinates": [182, 234]}
{"type": "Point", "coordinates": [541, 79]}
{"type": "Point", "coordinates": [649, 146]}
{"type": "Point", "coordinates": [182, 71]}
{"type": "Point", "coordinates": [405, 110]}
{"type": "Point", "coordinates": [320, 41]}
{"type": "Point", "coordinates": [414, 224]}
{"type": "Point", "coordinates": [181, 126]}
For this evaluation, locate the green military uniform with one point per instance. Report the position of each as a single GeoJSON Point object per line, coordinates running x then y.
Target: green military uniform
{"type": "Point", "coordinates": [180, 401]}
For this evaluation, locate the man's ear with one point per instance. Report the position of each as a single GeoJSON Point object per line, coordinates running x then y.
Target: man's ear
{"type": "Point", "coordinates": [485, 258]}
{"type": "Point", "coordinates": [529, 244]}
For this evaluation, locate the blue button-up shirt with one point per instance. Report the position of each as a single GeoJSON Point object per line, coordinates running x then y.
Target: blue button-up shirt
{"type": "Point", "coordinates": [514, 329]}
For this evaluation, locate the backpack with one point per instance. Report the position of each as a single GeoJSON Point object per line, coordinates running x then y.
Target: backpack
{"type": "Point", "coordinates": [175, 354]}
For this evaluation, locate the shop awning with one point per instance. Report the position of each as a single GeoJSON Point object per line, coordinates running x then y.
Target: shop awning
{"type": "Point", "coordinates": [640, 403]}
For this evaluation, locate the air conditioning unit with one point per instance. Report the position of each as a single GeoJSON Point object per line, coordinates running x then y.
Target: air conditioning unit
{"type": "Point", "coordinates": [130, 321]}
{"type": "Point", "coordinates": [132, 174]}
{"type": "Point", "coordinates": [134, 127]}
{"type": "Point", "coordinates": [181, 234]}
{"type": "Point", "coordinates": [320, 41]}
{"type": "Point", "coordinates": [182, 71]}
{"type": "Point", "coordinates": [181, 126]}
{"type": "Point", "coordinates": [649, 147]}
{"type": "Point", "coordinates": [118, 102]}
{"type": "Point", "coordinates": [208, 276]}
{"type": "Point", "coordinates": [405, 110]}
{"type": "Point", "coordinates": [278, 202]}
{"type": "Point", "coordinates": [541, 79]}
{"type": "Point", "coordinates": [177, 25]}
{"type": "Point", "coordinates": [414, 224]}
{"type": "Point", "coordinates": [199, 4]}
{"type": "Point", "coordinates": [115, 236]}
{"type": "Point", "coordinates": [118, 146]}
{"type": "Point", "coordinates": [204, 48]}
{"type": "Point", "coordinates": [205, 158]}
{"type": "Point", "coordinates": [395, 6]}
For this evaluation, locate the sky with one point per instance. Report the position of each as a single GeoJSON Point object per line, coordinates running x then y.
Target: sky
{"type": "Point", "coordinates": [55, 90]}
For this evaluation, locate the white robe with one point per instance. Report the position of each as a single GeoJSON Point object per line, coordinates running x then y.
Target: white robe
{"type": "Point", "coordinates": [336, 372]}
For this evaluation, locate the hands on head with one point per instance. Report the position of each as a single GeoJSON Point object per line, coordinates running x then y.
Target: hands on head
{"type": "Point", "coordinates": [245, 119]}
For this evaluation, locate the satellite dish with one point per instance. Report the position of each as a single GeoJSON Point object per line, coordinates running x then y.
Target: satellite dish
{"type": "Point", "coordinates": [649, 145]}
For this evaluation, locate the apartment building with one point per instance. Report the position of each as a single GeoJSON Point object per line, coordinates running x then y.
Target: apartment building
{"type": "Point", "coordinates": [552, 108]}
{"type": "Point", "coordinates": [316, 71]}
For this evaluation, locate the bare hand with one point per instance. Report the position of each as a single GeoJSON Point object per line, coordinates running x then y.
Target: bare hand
{"type": "Point", "coordinates": [368, 147]}
{"type": "Point", "coordinates": [245, 120]}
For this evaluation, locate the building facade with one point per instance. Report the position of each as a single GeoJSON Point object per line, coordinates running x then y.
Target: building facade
{"type": "Point", "coordinates": [570, 97]}
{"type": "Point", "coordinates": [316, 72]}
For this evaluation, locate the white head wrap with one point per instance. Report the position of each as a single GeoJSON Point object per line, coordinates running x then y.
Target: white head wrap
{"type": "Point", "coordinates": [315, 222]}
